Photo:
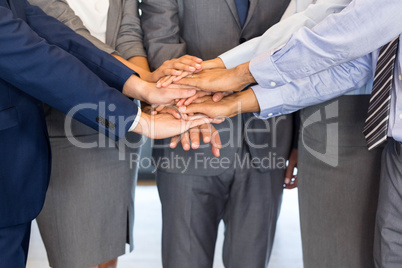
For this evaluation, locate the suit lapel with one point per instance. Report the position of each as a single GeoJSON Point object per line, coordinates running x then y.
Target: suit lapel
{"type": "Point", "coordinates": [233, 9]}
{"type": "Point", "coordinates": [253, 6]}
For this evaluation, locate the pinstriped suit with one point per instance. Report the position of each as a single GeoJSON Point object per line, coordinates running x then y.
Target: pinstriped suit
{"type": "Point", "coordinates": [195, 198]}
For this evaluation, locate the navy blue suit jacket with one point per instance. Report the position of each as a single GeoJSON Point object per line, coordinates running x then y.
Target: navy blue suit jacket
{"type": "Point", "coordinates": [42, 60]}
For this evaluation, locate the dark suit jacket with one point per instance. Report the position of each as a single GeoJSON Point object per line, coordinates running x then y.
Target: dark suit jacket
{"type": "Point", "coordinates": [207, 28]}
{"type": "Point", "coordinates": [43, 60]}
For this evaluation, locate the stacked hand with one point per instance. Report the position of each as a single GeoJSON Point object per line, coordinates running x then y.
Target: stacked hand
{"type": "Point", "coordinates": [210, 103]}
{"type": "Point", "coordinates": [215, 99]}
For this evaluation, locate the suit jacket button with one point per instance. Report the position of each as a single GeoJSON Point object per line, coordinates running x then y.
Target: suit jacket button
{"type": "Point", "coordinates": [100, 120]}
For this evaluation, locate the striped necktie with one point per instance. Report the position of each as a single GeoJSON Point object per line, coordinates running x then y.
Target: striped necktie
{"type": "Point", "coordinates": [376, 126]}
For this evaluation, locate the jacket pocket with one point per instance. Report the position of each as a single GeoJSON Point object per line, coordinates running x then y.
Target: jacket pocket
{"type": "Point", "coordinates": [8, 118]}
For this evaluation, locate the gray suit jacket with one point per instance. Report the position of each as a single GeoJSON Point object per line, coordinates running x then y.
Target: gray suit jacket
{"type": "Point", "coordinates": [207, 28]}
{"type": "Point", "coordinates": [123, 36]}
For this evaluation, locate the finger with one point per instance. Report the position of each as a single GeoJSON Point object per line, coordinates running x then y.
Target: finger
{"type": "Point", "coordinates": [194, 108]}
{"type": "Point", "coordinates": [172, 71]}
{"type": "Point", "coordinates": [208, 65]}
{"type": "Point", "coordinates": [217, 96]}
{"type": "Point", "coordinates": [218, 120]}
{"type": "Point", "coordinates": [188, 61]}
{"type": "Point", "coordinates": [197, 122]}
{"type": "Point", "coordinates": [174, 141]}
{"type": "Point", "coordinates": [190, 100]}
{"type": "Point", "coordinates": [181, 102]}
{"type": "Point", "coordinates": [182, 86]}
{"type": "Point", "coordinates": [199, 116]}
{"type": "Point", "coordinates": [190, 81]}
{"type": "Point", "coordinates": [216, 143]}
{"type": "Point", "coordinates": [179, 77]}
{"type": "Point", "coordinates": [192, 58]}
{"type": "Point", "coordinates": [199, 94]}
{"type": "Point", "coordinates": [188, 66]}
{"type": "Point", "coordinates": [177, 93]}
{"type": "Point", "coordinates": [185, 141]}
{"type": "Point", "coordinates": [172, 111]}
{"type": "Point", "coordinates": [195, 137]}
{"type": "Point", "coordinates": [288, 174]}
{"type": "Point", "coordinates": [292, 184]}
{"type": "Point", "coordinates": [206, 132]}
{"type": "Point", "coordinates": [159, 108]}
{"type": "Point", "coordinates": [165, 80]}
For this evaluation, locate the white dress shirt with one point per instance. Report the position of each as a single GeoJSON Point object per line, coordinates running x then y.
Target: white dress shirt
{"type": "Point", "coordinates": [93, 14]}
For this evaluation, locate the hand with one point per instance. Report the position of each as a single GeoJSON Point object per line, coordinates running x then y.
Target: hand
{"type": "Point", "coordinates": [209, 135]}
{"type": "Point", "coordinates": [290, 181]}
{"type": "Point", "coordinates": [164, 109]}
{"type": "Point", "coordinates": [215, 97]}
{"type": "Point", "coordinates": [210, 64]}
{"type": "Point", "coordinates": [213, 64]}
{"type": "Point", "coordinates": [220, 79]}
{"type": "Point", "coordinates": [162, 126]}
{"type": "Point", "coordinates": [243, 102]}
{"type": "Point", "coordinates": [175, 67]}
{"type": "Point", "coordinates": [139, 89]}
{"type": "Point", "coordinates": [169, 79]}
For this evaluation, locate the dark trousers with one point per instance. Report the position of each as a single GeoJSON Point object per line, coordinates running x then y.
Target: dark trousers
{"type": "Point", "coordinates": [14, 242]}
{"type": "Point", "coordinates": [246, 199]}
{"type": "Point", "coordinates": [388, 235]}
{"type": "Point", "coordinates": [338, 191]}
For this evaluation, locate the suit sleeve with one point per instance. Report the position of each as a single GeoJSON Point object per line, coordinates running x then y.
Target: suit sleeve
{"type": "Point", "coordinates": [280, 33]}
{"type": "Point", "coordinates": [129, 41]}
{"type": "Point", "coordinates": [110, 70]}
{"type": "Point", "coordinates": [160, 22]}
{"type": "Point", "coordinates": [48, 73]}
{"type": "Point", "coordinates": [60, 10]}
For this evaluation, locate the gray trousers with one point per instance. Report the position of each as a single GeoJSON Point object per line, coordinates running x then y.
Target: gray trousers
{"type": "Point", "coordinates": [192, 206]}
{"type": "Point", "coordinates": [337, 202]}
{"type": "Point", "coordinates": [388, 235]}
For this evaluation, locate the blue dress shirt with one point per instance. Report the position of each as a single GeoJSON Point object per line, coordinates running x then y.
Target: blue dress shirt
{"type": "Point", "coordinates": [330, 60]}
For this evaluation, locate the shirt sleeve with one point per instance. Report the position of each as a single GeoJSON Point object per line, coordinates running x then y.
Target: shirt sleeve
{"type": "Point", "coordinates": [317, 88]}
{"type": "Point", "coordinates": [359, 29]}
{"type": "Point", "coordinates": [281, 32]}
{"type": "Point", "coordinates": [136, 120]}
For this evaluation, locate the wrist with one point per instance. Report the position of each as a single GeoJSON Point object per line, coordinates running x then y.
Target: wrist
{"type": "Point", "coordinates": [219, 63]}
{"type": "Point", "coordinates": [136, 88]}
{"type": "Point", "coordinates": [249, 101]}
{"type": "Point", "coordinates": [243, 74]}
{"type": "Point", "coordinates": [143, 125]}
{"type": "Point", "coordinates": [245, 102]}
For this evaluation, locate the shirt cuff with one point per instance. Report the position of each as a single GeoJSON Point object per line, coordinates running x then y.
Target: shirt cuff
{"type": "Point", "coordinates": [265, 72]}
{"type": "Point", "coordinates": [136, 120]}
{"type": "Point", "coordinates": [269, 100]}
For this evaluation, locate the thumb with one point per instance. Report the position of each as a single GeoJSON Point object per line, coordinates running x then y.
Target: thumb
{"type": "Point", "coordinates": [181, 93]}
{"type": "Point", "coordinates": [188, 80]}
{"type": "Point", "coordinates": [217, 96]}
{"type": "Point", "coordinates": [191, 109]}
{"type": "Point", "coordinates": [197, 122]}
